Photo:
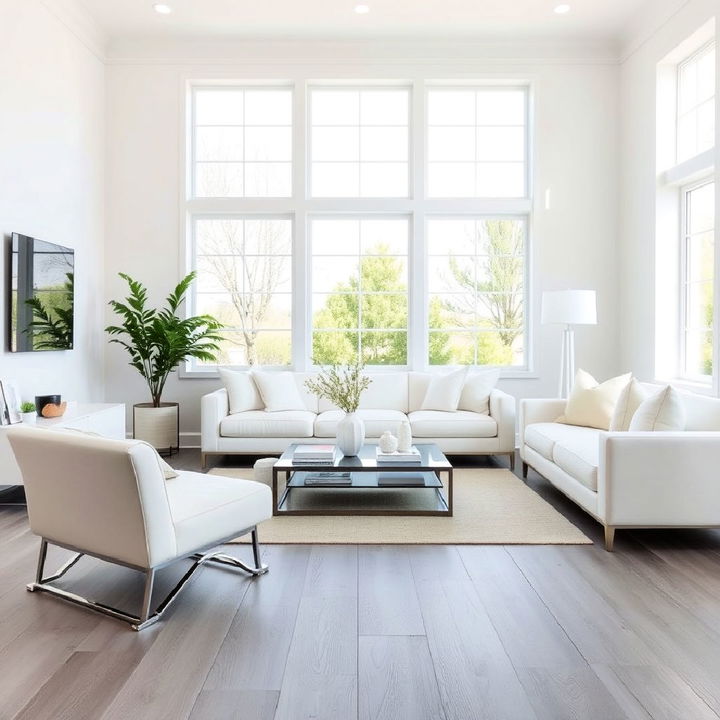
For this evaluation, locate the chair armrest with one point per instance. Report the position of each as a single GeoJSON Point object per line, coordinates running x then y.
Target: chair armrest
{"type": "Point", "coordinates": [659, 478]}
{"type": "Point", "coordinates": [213, 408]}
{"type": "Point", "coordinates": [502, 410]}
{"type": "Point", "coordinates": [538, 410]}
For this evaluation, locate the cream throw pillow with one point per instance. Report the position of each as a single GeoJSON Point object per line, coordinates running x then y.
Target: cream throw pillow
{"type": "Point", "coordinates": [242, 392]}
{"type": "Point", "coordinates": [663, 411]}
{"type": "Point", "coordinates": [591, 404]}
{"type": "Point", "coordinates": [278, 390]}
{"type": "Point", "coordinates": [443, 391]}
{"type": "Point", "coordinates": [475, 395]}
{"type": "Point", "coordinates": [629, 401]}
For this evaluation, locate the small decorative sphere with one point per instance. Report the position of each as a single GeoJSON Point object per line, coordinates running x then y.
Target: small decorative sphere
{"type": "Point", "coordinates": [388, 442]}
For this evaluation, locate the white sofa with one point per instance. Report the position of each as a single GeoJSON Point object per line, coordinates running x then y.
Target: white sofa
{"type": "Point", "coordinates": [391, 398]}
{"type": "Point", "coordinates": [630, 479]}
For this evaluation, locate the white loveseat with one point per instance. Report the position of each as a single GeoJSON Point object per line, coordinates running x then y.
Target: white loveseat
{"type": "Point", "coordinates": [630, 479]}
{"type": "Point", "coordinates": [391, 398]}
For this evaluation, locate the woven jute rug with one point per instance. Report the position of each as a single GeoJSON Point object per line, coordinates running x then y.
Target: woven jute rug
{"type": "Point", "coordinates": [491, 507]}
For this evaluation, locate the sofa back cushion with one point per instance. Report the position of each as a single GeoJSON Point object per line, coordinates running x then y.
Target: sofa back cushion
{"type": "Point", "coordinates": [242, 391]}
{"type": "Point", "coordinates": [417, 387]}
{"type": "Point", "coordinates": [702, 412]}
{"type": "Point", "coordinates": [387, 391]}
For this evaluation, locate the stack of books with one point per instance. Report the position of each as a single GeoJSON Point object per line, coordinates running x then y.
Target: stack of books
{"type": "Point", "coordinates": [314, 454]}
{"type": "Point", "coordinates": [411, 456]}
{"type": "Point", "coordinates": [328, 478]}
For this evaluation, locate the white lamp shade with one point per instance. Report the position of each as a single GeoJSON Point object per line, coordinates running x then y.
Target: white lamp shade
{"type": "Point", "coordinates": [569, 307]}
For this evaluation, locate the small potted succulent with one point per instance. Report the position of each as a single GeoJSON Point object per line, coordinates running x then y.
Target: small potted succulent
{"type": "Point", "coordinates": [343, 385]}
{"type": "Point", "coordinates": [27, 409]}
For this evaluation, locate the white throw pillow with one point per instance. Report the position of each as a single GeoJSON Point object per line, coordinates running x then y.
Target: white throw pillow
{"type": "Point", "coordinates": [591, 404]}
{"type": "Point", "coordinates": [663, 411]}
{"type": "Point", "coordinates": [475, 395]}
{"type": "Point", "coordinates": [242, 392]}
{"type": "Point", "coordinates": [443, 391]}
{"type": "Point", "coordinates": [278, 390]}
{"type": "Point", "coordinates": [629, 401]}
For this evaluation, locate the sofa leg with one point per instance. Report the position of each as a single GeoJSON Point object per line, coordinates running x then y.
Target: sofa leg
{"type": "Point", "coordinates": [512, 462]}
{"type": "Point", "coordinates": [525, 470]}
{"type": "Point", "coordinates": [203, 460]}
{"type": "Point", "coordinates": [609, 538]}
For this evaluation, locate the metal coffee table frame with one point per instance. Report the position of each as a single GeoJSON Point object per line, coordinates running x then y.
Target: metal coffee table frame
{"type": "Point", "coordinates": [364, 470]}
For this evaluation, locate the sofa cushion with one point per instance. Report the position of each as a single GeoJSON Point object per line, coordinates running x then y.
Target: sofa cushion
{"type": "Point", "coordinates": [579, 458]}
{"type": "Point", "coordinates": [662, 411]}
{"type": "Point", "coordinates": [443, 391]}
{"type": "Point", "coordinates": [542, 437]}
{"type": "Point", "coordinates": [476, 391]}
{"type": "Point", "coordinates": [591, 404]}
{"type": "Point", "coordinates": [207, 507]}
{"type": "Point", "coordinates": [387, 391]}
{"type": "Point", "coordinates": [278, 390]}
{"type": "Point", "coordinates": [261, 423]}
{"type": "Point", "coordinates": [376, 422]}
{"type": "Point", "coordinates": [459, 424]}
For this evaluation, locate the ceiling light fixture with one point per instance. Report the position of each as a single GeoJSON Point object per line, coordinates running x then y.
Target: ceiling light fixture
{"type": "Point", "coordinates": [162, 8]}
{"type": "Point", "coordinates": [362, 9]}
{"type": "Point", "coordinates": [562, 9]}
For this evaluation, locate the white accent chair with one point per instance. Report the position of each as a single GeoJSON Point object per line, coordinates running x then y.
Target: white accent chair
{"type": "Point", "coordinates": [629, 479]}
{"type": "Point", "coordinates": [109, 499]}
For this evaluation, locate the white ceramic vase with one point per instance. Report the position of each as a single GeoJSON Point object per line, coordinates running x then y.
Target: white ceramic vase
{"type": "Point", "coordinates": [388, 442]}
{"type": "Point", "coordinates": [350, 434]}
{"type": "Point", "coordinates": [404, 437]}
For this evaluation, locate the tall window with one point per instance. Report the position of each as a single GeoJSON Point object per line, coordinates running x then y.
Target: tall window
{"type": "Point", "coordinates": [476, 282]}
{"type": "Point", "coordinates": [359, 290]}
{"type": "Point", "coordinates": [359, 142]}
{"type": "Point", "coordinates": [242, 142]}
{"type": "Point", "coordinates": [477, 142]}
{"type": "Point", "coordinates": [698, 281]}
{"type": "Point", "coordinates": [696, 103]}
{"type": "Point", "coordinates": [244, 270]}
{"type": "Point", "coordinates": [336, 245]}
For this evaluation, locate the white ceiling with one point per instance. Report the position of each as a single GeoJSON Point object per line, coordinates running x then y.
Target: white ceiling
{"type": "Point", "coordinates": [297, 19]}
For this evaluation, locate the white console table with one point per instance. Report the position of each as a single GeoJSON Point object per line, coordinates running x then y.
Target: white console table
{"type": "Point", "coordinates": [102, 418]}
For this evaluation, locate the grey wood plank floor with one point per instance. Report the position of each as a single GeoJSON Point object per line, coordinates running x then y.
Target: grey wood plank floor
{"type": "Point", "coordinates": [375, 632]}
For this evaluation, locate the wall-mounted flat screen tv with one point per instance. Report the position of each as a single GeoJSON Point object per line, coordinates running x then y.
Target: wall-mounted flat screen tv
{"type": "Point", "coordinates": [41, 295]}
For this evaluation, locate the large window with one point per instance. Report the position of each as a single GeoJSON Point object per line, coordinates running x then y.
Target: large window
{"type": "Point", "coordinates": [698, 285]}
{"type": "Point", "coordinates": [696, 103]}
{"type": "Point", "coordinates": [330, 221]}
{"type": "Point", "coordinates": [359, 142]}
{"type": "Point", "coordinates": [242, 142]}
{"type": "Point", "coordinates": [476, 283]}
{"type": "Point", "coordinates": [359, 290]}
{"type": "Point", "coordinates": [244, 280]}
{"type": "Point", "coordinates": [477, 142]}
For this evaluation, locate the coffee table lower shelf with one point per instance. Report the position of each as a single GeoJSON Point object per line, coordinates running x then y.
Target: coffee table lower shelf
{"type": "Point", "coordinates": [368, 481]}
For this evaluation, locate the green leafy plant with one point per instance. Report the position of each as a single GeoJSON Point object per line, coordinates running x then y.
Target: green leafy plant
{"type": "Point", "coordinates": [342, 385]}
{"type": "Point", "coordinates": [158, 340]}
{"type": "Point", "coordinates": [27, 407]}
{"type": "Point", "coordinates": [52, 325]}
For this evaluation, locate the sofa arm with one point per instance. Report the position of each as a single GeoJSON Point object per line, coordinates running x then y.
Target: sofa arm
{"type": "Point", "coordinates": [213, 408]}
{"type": "Point", "coordinates": [538, 410]}
{"type": "Point", "coordinates": [502, 410]}
{"type": "Point", "coordinates": [660, 479]}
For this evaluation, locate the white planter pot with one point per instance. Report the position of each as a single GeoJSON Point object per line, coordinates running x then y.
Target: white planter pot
{"type": "Point", "coordinates": [29, 418]}
{"type": "Point", "coordinates": [157, 426]}
{"type": "Point", "coordinates": [350, 434]}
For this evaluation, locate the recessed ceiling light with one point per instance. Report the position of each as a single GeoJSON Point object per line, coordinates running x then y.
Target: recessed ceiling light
{"type": "Point", "coordinates": [362, 9]}
{"type": "Point", "coordinates": [562, 9]}
{"type": "Point", "coordinates": [162, 8]}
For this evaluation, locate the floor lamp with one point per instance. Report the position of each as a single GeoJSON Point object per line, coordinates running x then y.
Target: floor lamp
{"type": "Point", "coordinates": [568, 308]}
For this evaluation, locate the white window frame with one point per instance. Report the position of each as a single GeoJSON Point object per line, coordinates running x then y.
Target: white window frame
{"type": "Point", "coordinates": [301, 207]}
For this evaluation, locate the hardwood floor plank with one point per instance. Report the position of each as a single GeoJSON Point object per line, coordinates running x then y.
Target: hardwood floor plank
{"type": "Point", "coordinates": [235, 705]}
{"type": "Point", "coordinates": [388, 604]}
{"type": "Point", "coordinates": [433, 562]}
{"type": "Point", "coordinates": [530, 634]}
{"type": "Point", "coordinates": [474, 674]}
{"type": "Point", "coordinates": [397, 679]}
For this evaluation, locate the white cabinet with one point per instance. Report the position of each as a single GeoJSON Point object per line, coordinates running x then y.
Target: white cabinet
{"type": "Point", "coordinates": [102, 418]}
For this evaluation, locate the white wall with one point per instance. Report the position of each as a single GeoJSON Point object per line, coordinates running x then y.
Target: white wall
{"type": "Point", "coordinates": [639, 182]}
{"type": "Point", "coordinates": [573, 243]}
{"type": "Point", "coordinates": [52, 149]}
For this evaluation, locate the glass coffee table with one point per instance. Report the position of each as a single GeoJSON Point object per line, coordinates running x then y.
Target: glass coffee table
{"type": "Point", "coordinates": [390, 482]}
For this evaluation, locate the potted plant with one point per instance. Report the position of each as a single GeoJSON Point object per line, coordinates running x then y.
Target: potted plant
{"type": "Point", "coordinates": [343, 385]}
{"type": "Point", "coordinates": [158, 340]}
{"type": "Point", "coordinates": [27, 410]}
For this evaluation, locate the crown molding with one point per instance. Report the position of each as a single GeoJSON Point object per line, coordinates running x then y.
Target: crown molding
{"type": "Point", "coordinates": [78, 21]}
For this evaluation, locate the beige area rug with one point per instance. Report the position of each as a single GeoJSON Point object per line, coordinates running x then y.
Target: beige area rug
{"type": "Point", "coordinates": [491, 507]}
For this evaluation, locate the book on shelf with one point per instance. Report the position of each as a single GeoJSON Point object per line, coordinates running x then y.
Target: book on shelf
{"type": "Point", "coordinates": [314, 452]}
{"type": "Point", "coordinates": [412, 455]}
{"type": "Point", "coordinates": [400, 479]}
{"type": "Point", "coordinates": [328, 478]}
